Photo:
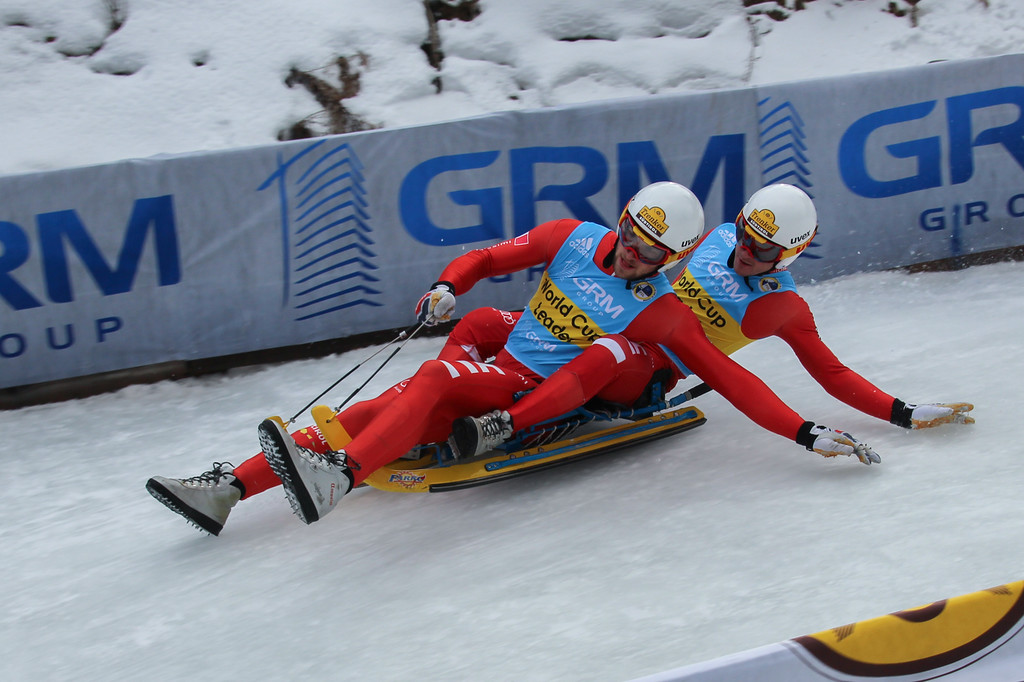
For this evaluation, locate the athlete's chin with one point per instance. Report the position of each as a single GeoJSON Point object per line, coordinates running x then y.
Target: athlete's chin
{"type": "Point", "coordinates": [746, 269]}
{"type": "Point", "coordinates": [623, 269]}
{"type": "Point", "coordinates": [641, 272]}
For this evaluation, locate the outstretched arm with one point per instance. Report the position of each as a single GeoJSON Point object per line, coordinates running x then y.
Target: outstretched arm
{"type": "Point", "coordinates": [744, 390]}
{"type": "Point", "coordinates": [535, 247]}
{"type": "Point", "coordinates": [795, 326]}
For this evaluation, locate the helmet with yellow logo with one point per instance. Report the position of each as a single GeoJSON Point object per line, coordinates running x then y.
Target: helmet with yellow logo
{"type": "Point", "coordinates": [662, 223]}
{"type": "Point", "coordinates": [777, 223]}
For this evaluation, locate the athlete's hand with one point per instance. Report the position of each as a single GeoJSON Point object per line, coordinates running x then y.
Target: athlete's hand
{"type": "Point", "coordinates": [927, 415]}
{"type": "Point", "coordinates": [831, 443]}
{"type": "Point", "coordinates": [437, 305]}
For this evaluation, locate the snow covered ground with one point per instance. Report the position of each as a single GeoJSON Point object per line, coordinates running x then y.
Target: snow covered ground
{"type": "Point", "coordinates": [714, 541]}
{"type": "Point", "coordinates": [92, 81]}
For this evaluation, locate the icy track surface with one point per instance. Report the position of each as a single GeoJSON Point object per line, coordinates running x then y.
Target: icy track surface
{"type": "Point", "coordinates": [714, 541]}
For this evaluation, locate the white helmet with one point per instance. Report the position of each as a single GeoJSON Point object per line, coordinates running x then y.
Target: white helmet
{"type": "Point", "coordinates": [782, 221]}
{"type": "Point", "coordinates": [668, 218]}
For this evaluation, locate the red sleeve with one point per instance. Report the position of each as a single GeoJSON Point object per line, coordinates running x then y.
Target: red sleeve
{"type": "Point", "coordinates": [788, 316]}
{"type": "Point", "coordinates": [537, 246]}
{"type": "Point", "coordinates": [670, 322]}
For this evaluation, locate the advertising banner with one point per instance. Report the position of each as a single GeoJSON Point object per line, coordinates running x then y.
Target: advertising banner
{"type": "Point", "coordinates": [204, 255]}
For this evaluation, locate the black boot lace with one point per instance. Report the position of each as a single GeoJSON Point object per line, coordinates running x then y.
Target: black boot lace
{"type": "Point", "coordinates": [493, 426]}
{"type": "Point", "coordinates": [211, 477]}
{"type": "Point", "coordinates": [338, 458]}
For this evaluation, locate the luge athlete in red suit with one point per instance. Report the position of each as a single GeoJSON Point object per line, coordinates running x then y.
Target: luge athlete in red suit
{"type": "Point", "coordinates": [597, 282]}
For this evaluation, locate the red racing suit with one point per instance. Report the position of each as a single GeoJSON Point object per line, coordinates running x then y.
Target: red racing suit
{"type": "Point", "coordinates": [775, 310]}
{"type": "Point", "coordinates": [421, 409]}
{"type": "Point", "coordinates": [736, 311]}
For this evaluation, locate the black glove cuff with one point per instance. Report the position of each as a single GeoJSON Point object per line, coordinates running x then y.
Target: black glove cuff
{"type": "Point", "coordinates": [901, 413]}
{"type": "Point", "coordinates": [442, 283]}
{"type": "Point", "coordinates": [804, 436]}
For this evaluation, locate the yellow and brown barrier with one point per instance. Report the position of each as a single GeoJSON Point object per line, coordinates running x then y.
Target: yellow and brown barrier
{"type": "Point", "coordinates": [975, 636]}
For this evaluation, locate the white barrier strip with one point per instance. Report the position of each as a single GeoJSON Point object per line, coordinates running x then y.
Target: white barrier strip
{"type": "Point", "coordinates": [971, 638]}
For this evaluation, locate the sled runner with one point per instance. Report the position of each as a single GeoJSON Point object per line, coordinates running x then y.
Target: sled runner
{"type": "Point", "coordinates": [585, 432]}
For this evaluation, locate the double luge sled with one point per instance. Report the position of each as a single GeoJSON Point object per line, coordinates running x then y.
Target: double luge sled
{"type": "Point", "coordinates": [585, 432]}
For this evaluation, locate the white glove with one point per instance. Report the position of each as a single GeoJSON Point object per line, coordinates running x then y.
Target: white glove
{"type": "Point", "coordinates": [437, 305]}
{"type": "Point", "coordinates": [830, 443]}
{"type": "Point", "coordinates": [927, 415]}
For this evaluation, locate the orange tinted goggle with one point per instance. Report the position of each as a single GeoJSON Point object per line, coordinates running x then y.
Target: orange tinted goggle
{"type": "Point", "coordinates": [645, 249]}
{"type": "Point", "coordinates": [759, 247]}
{"type": "Point", "coordinates": [632, 240]}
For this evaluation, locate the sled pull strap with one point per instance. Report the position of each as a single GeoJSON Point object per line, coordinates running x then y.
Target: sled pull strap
{"type": "Point", "coordinates": [408, 338]}
{"type": "Point", "coordinates": [405, 334]}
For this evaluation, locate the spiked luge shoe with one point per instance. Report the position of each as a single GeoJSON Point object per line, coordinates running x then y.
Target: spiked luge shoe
{"type": "Point", "coordinates": [313, 482]}
{"type": "Point", "coordinates": [473, 436]}
{"type": "Point", "coordinates": [204, 500]}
